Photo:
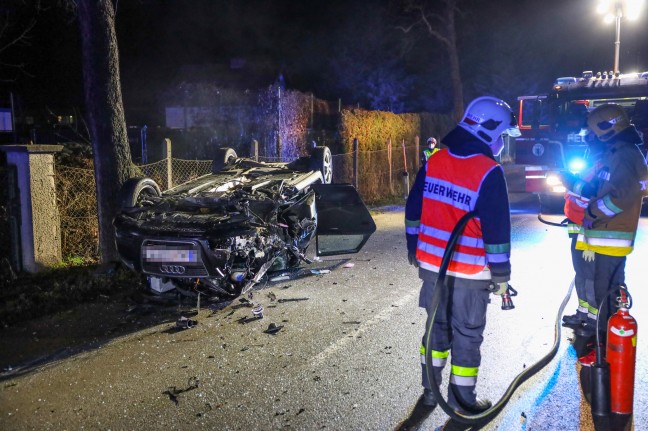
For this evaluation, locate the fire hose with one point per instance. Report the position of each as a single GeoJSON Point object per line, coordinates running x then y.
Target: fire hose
{"type": "Point", "coordinates": [528, 372]}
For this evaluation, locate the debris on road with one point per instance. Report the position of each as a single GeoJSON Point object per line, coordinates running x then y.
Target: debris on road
{"type": "Point", "coordinates": [273, 329]}
{"type": "Point", "coordinates": [258, 311]}
{"type": "Point", "coordinates": [172, 391]}
{"type": "Point", "coordinates": [282, 300]}
{"type": "Point", "coordinates": [320, 271]}
{"type": "Point", "coordinates": [185, 323]}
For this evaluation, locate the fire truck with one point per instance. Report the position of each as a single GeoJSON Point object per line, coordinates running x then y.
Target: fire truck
{"type": "Point", "coordinates": [554, 127]}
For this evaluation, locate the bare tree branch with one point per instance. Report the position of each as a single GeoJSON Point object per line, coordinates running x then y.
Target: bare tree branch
{"type": "Point", "coordinates": [14, 32]}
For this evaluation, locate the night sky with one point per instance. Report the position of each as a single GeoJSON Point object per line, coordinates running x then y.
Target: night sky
{"type": "Point", "coordinates": [334, 48]}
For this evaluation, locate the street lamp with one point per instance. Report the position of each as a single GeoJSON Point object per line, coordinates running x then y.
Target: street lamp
{"type": "Point", "coordinates": [613, 11]}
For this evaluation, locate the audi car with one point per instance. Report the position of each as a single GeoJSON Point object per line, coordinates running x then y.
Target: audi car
{"type": "Point", "coordinates": [225, 232]}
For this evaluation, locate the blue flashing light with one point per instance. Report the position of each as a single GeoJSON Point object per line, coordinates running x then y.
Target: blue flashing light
{"type": "Point", "coordinates": [576, 165]}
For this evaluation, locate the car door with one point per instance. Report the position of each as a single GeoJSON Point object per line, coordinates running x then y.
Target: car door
{"type": "Point", "coordinates": [344, 223]}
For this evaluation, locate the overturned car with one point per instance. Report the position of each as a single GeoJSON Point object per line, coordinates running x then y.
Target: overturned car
{"type": "Point", "coordinates": [221, 233]}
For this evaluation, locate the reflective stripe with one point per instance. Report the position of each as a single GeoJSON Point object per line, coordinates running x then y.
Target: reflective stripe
{"type": "Point", "coordinates": [465, 371]}
{"type": "Point", "coordinates": [437, 362]}
{"type": "Point", "coordinates": [497, 258]}
{"type": "Point", "coordinates": [439, 359]}
{"type": "Point", "coordinates": [412, 223]}
{"type": "Point", "coordinates": [463, 381]}
{"type": "Point", "coordinates": [449, 193]}
{"type": "Point", "coordinates": [445, 236]}
{"type": "Point", "coordinates": [573, 228]}
{"type": "Point", "coordinates": [609, 243]}
{"type": "Point", "coordinates": [606, 206]}
{"type": "Point", "coordinates": [498, 248]}
{"type": "Point", "coordinates": [440, 354]}
{"type": "Point", "coordinates": [412, 230]}
{"type": "Point", "coordinates": [469, 259]}
{"type": "Point", "coordinates": [498, 253]}
{"type": "Point", "coordinates": [483, 275]}
{"type": "Point", "coordinates": [584, 307]}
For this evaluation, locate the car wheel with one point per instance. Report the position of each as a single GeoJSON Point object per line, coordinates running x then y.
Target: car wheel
{"type": "Point", "coordinates": [135, 190]}
{"type": "Point", "coordinates": [224, 157]}
{"type": "Point", "coordinates": [322, 160]}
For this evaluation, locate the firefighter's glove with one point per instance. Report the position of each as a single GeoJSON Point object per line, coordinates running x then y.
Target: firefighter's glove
{"type": "Point", "coordinates": [588, 256]}
{"type": "Point", "coordinates": [412, 259]}
{"type": "Point", "coordinates": [500, 288]}
{"type": "Point", "coordinates": [588, 223]}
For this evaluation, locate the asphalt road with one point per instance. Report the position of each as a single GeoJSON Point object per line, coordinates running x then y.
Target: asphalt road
{"type": "Point", "coordinates": [345, 358]}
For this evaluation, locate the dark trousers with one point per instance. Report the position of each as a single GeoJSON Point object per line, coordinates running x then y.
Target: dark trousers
{"type": "Point", "coordinates": [459, 324]}
{"type": "Point", "coordinates": [605, 273]}
{"type": "Point", "coordinates": [579, 280]}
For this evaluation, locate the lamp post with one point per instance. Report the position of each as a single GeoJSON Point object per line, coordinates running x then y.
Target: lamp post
{"type": "Point", "coordinates": [615, 10]}
{"type": "Point", "coordinates": [618, 13]}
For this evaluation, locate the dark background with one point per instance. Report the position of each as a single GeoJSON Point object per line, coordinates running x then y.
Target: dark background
{"type": "Point", "coordinates": [337, 49]}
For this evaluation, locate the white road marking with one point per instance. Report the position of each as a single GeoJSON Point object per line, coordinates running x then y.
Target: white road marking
{"type": "Point", "coordinates": [366, 326]}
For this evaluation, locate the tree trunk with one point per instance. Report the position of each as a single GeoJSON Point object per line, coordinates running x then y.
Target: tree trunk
{"type": "Point", "coordinates": [453, 56]}
{"type": "Point", "coordinates": [105, 111]}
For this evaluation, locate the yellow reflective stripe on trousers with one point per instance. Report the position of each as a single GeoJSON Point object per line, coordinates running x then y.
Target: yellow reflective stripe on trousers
{"type": "Point", "coordinates": [438, 358]}
{"type": "Point", "coordinates": [463, 376]}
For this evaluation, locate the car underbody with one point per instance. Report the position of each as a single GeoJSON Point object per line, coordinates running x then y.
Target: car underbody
{"type": "Point", "coordinates": [219, 234]}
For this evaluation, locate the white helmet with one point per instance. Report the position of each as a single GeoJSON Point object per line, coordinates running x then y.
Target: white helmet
{"type": "Point", "coordinates": [488, 118]}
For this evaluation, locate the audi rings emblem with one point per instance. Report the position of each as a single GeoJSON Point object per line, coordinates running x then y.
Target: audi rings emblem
{"type": "Point", "coordinates": [173, 269]}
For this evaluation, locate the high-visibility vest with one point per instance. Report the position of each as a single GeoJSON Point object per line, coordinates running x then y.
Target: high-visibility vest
{"type": "Point", "coordinates": [575, 206]}
{"type": "Point", "coordinates": [451, 190]}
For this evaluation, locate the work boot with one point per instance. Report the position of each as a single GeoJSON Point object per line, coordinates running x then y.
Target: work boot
{"type": "Point", "coordinates": [428, 398]}
{"type": "Point", "coordinates": [463, 400]}
{"type": "Point", "coordinates": [480, 406]}
{"type": "Point", "coordinates": [573, 320]}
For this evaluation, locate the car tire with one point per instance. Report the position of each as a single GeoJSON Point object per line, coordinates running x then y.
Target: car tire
{"type": "Point", "coordinates": [322, 161]}
{"type": "Point", "coordinates": [135, 189]}
{"type": "Point", "coordinates": [224, 157]}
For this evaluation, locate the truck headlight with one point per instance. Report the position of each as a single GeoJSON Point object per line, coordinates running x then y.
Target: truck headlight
{"type": "Point", "coordinates": [553, 180]}
{"type": "Point", "coordinates": [555, 184]}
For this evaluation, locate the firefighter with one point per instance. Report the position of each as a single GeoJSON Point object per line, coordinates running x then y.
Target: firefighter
{"type": "Point", "coordinates": [612, 215]}
{"type": "Point", "coordinates": [431, 149]}
{"type": "Point", "coordinates": [464, 177]}
{"type": "Point", "coordinates": [580, 188]}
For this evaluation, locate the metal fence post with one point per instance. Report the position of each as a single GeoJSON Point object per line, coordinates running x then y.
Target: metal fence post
{"type": "Point", "coordinates": [143, 142]}
{"type": "Point", "coordinates": [355, 162]}
{"type": "Point", "coordinates": [389, 160]}
{"type": "Point", "coordinates": [405, 173]}
{"type": "Point", "coordinates": [167, 146]}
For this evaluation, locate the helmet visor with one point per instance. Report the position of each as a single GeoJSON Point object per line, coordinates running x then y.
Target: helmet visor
{"type": "Point", "coordinates": [513, 130]}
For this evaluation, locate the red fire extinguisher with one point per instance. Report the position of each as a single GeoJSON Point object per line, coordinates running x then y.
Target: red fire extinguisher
{"type": "Point", "coordinates": [621, 354]}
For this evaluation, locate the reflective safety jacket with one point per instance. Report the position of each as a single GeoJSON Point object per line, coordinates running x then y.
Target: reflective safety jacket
{"type": "Point", "coordinates": [460, 179]}
{"type": "Point", "coordinates": [616, 208]}
{"type": "Point", "coordinates": [428, 152]}
{"type": "Point", "coordinates": [575, 206]}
